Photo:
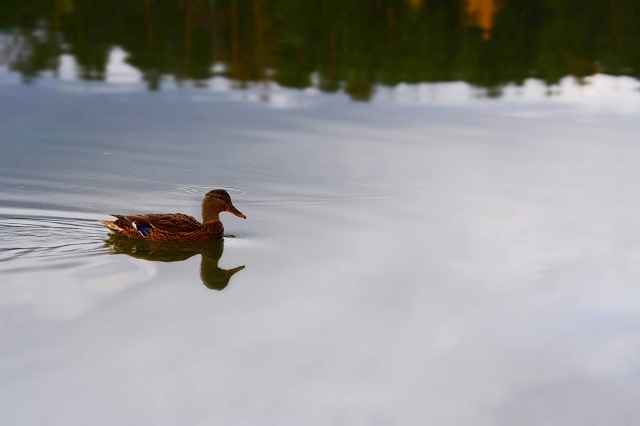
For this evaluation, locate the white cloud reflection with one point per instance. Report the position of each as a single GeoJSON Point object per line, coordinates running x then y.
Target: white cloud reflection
{"type": "Point", "coordinates": [118, 71]}
{"type": "Point", "coordinates": [467, 261]}
{"type": "Point", "coordinates": [59, 290]}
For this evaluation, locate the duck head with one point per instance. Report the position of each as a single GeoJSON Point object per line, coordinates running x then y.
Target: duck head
{"type": "Point", "coordinates": [217, 201]}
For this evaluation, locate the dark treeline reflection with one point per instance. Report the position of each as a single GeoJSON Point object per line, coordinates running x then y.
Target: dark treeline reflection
{"type": "Point", "coordinates": [330, 44]}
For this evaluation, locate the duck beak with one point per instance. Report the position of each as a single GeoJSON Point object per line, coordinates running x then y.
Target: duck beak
{"type": "Point", "coordinates": [235, 211]}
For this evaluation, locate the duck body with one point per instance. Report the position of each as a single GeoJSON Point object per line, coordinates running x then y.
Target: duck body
{"type": "Point", "coordinates": [177, 227]}
{"type": "Point", "coordinates": [165, 227]}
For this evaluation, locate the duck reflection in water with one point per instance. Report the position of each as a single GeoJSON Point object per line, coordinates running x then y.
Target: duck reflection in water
{"type": "Point", "coordinates": [211, 274]}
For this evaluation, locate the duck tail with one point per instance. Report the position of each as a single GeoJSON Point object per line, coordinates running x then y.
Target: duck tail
{"type": "Point", "coordinates": [119, 225]}
{"type": "Point", "coordinates": [113, 226]}
{"type": "Point", "coordinates": [124, 224]}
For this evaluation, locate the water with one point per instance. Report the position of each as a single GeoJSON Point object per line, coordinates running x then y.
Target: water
{"type": "Point", "coordinates": [426, 257]}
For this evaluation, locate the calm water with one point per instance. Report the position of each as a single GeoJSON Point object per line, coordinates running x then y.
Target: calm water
{"type": "Point", "coordinates": [430, 256]}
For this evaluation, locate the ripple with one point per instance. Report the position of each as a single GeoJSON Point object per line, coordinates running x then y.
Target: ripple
{"type": "Point", "coordinates": [39, 234]}
{"type": "Point", "coordinates": [203, 189]}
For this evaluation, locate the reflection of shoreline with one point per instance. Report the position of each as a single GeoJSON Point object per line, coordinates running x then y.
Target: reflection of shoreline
{"type": "Point", "coordinates": [212, 276]}
{"type": "Point", "coordinates": [485, 43]}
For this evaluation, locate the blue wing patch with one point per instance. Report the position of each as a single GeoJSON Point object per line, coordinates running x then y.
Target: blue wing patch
{"type": "Point", "coordinates": [142, 228]}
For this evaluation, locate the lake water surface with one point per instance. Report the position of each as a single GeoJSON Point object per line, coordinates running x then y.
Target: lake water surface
{"type": "Point", "coordinates": [426, 257]}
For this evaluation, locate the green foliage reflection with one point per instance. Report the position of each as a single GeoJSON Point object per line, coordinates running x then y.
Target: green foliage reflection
{"type": "Point", "coordinates": [330, 44]}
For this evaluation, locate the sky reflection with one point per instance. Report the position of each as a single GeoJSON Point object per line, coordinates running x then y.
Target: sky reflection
{"type": "Point", "coordinates": [471, 263]}
{"type": "Point", "coordinates": [432, 256]}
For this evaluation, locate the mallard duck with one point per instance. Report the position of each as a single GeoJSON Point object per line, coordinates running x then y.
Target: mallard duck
{"type": "Point", "coordinates": [177, 227]}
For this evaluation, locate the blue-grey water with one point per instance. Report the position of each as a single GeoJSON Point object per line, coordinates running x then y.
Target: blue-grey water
{"type": "Point", "coordinates": [463, 263]}
{"type": "Point", "coordinates": [426, 257]}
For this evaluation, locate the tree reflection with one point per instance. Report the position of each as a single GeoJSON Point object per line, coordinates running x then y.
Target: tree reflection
{"type": "Point", "coordinates": [329, 44]}
{"type": "Point", "coordinates": [212, 276]}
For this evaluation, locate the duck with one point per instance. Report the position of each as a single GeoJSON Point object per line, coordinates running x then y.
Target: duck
{"type": "Point", "coordinates": [177, 227]}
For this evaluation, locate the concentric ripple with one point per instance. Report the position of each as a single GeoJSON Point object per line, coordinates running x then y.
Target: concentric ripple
{"type": "Point", "coordinates": [38, 234]}
{"type": "Point", "coordinates": [202, 189]}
